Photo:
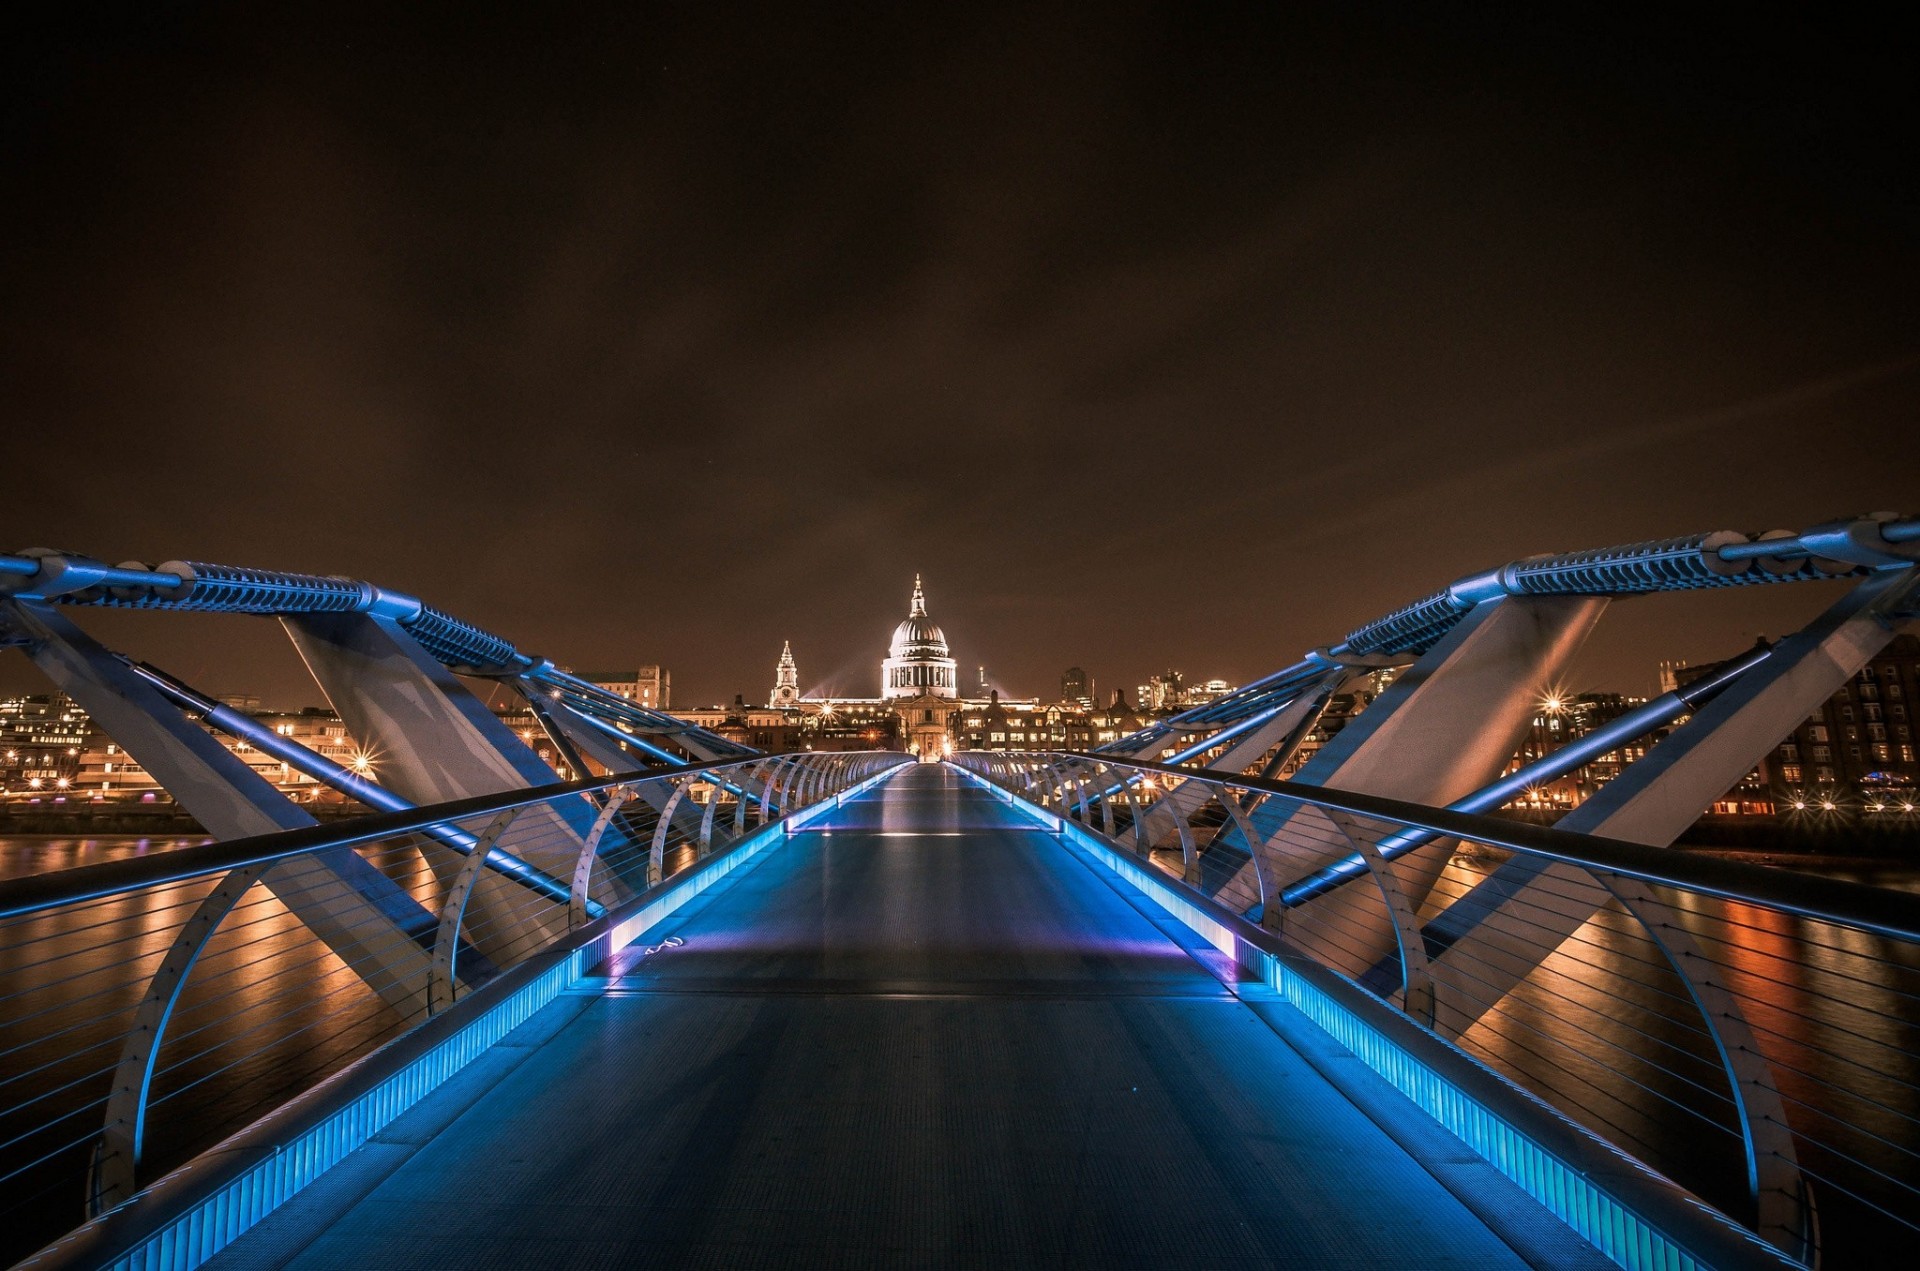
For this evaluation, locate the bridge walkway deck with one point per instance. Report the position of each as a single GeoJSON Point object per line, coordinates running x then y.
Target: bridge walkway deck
{"type": "Point", "coordinates": [920, 1033]}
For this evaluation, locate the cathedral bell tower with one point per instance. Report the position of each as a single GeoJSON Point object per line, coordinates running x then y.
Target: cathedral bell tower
{"type": "Point", "coordinates": [786, 679]}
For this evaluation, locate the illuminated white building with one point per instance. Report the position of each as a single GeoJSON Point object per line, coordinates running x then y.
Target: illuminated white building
{"type": "Point", "coordinates": [919, 664]}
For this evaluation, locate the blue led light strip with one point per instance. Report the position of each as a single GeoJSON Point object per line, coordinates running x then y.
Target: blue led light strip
{"type": "Point", "coordinates": [1560, 1181]}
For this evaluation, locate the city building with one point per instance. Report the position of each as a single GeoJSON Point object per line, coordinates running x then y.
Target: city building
{"type": "Point", "coordinates": [41, 738]}
{"type": "Point", "coordinates": [1169, 691]}
{"type": "Point", "coordinates": [1076, 689]}
{"type": "Point", "coordinates": [648, 686]}
{"type": "Point", "coordinates": [1564, 718]}
{"type": "Point", "coordinates": [1025, 725]}
{"type": "Point", "coordinates": [1857, 751]}
{"type": "Point", "coordinates": [1166, 691]}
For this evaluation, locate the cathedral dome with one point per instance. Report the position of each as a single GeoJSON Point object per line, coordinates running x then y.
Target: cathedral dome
{"type": "Point", "coordinates": [918, 663]}
{"type": "Point", "coordinates": [919, 636]}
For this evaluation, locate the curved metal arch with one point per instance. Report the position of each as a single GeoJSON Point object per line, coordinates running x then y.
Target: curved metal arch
{"type": "Point", "coordinates": [829, 769]}
{"type": "Point", "coordinates": [706, 820]}
{"type": "Point", "coordinates": [1063, 779]}
{"type": "Point", "coordinates": [791, 780]}
{"type": "Point", "coordinates": [1141, 846]}
{"type": "Point", "coordinates": [1054, 798]}
{"type": "Point", "coordinates": [822, 779]}
{"type": "Point", "coordinates": [1144, 837]}
{"type": "Point", "coordinates": [770, 787]}
{"type": "Point", "coordinates": [1416, 976]}
{"type": "Point", "coordinates": [116, 1158]}
{"type": "Point", "coordinates": [1250, 836]}
{"type": "Point", "coordinates": [799, 792]}
{"type": "Point", "coordinates": [617, 798]}
{"type": "Point", "coordinates": [1189, 860]}
{"type": "Point", "coordinates": [813, 774]}
{"type": "Point", "coordinates": [1040, 789]}
{"type": "Point", "coordinates": [1783, 1208]}
{"type": "Point", "coordinates": [657, 850]}
{"type": "Point", "coordinates": [763, 773]}
{"type": "Point", "coordinates": [446, 942]}
{"type": "Point", "coordinates": [1105, 801]}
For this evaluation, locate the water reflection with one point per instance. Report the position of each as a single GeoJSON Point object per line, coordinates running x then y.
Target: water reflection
{"type": "Point", "coordinates": [1606, 1031]}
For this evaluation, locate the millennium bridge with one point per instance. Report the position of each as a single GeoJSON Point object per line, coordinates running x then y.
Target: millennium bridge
{"type": "Point", "coordinates": [1146, 1006]}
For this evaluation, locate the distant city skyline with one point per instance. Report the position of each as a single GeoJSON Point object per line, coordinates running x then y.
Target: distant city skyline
{"type": "Point", "coordinates": [1624, 655]}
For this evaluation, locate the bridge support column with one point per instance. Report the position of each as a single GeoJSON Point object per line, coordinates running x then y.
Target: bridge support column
{"type": "Point", "coordinates": [433, 741]}
{"type": "Point", "coordinates": [1447, 726]}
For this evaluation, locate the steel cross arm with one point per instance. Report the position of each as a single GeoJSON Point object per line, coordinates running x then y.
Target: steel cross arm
{"type": "Point", "coordinates": [1612, 735]}
{"type": "Point", "coordinates": [1252, 721]}
{"type": "Point", "coordinates": [1889, 913]}
{"type": "Point", "coordinates": [659, 722]}
{"type": "Point", "coordinates": [681, 764]}
{"type": "Point", "coordinates": [320, 768]}
{"type": "Point", "coordinates": [1724, 558]}
{"type": "Point", "coordinates": [198, 586]}
{"type": "Point", "coordinates": [106, 878]}
{"type": "Point", "coordinates": [638, 740]}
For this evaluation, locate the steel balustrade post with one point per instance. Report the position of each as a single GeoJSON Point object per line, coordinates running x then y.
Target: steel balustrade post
{"type": "Point", "coordinates": [116, 1159]}
{"type": "Point", "coordinates": [1782, 1208]}
{"type": "Point", "coordinates": [766, 798]}
{"type": "Point", "coordinates": [657, 851]}
{"type": "Point", "coordinates": [1053, 795]}
{"type": "Point", "coordinates": [706, 820]}
{"type": "Point", "coordinates": [751, 781]}
{"type": "Point", "coordinates": [1106, 800]}
{"type": "Point", "coordinates": [446, 945]}
{"type": "Point", "coordinates": [1416, 977]}
{"type": "Point", "coordinates": [577, 915]}
{"type": "Point", "coordinates": [1244, 823]}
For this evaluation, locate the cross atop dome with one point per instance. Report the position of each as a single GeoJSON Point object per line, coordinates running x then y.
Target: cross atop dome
{"type": "Point", "coordinates": [919, 600]}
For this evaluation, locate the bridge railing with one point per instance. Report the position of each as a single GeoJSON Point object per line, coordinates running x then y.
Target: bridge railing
{"type": "Point", "coordinates": [152, 1004]}
{"type": "Point", "coordinates": [1748, 1031]}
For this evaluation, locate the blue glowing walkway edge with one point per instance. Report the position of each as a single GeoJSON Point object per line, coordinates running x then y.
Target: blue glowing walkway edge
{"type": "Point", "coordinates": [1576, 1180]}
{"type": "Point", "coordinates": [199, 1209]}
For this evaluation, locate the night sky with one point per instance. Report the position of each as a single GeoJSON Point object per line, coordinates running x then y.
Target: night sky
{"type": "Point", "coordinates": [1184, 336]}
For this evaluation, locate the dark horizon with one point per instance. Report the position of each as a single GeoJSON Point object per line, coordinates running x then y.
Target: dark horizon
{"type": "Point", "coordinates": [1158, 338]}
